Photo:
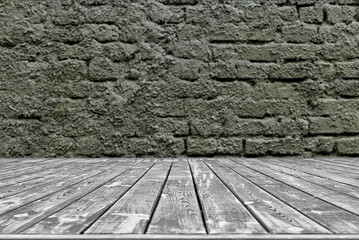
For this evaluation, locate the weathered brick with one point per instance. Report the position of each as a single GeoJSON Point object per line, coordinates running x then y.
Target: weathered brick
{"type": "Point", "coordinates": [322, 145]}
{"type": "Point", "coordinates": [69, 70]}
{"type": "Point", "coordinates": [188, 69]}
{"type": "Point", "coordinates": [328, 107]}
{"type": "Point", "coordinates": [198, 146]}
{"type": "Point", "coordinates": [300, 33]}
{"type": "Point", "coordinates": [103, 32]}
{"type": "Point", "coordinates": [348, 146]}
{"type": "Point", "coordinates": [232, 146]}
{"type": "Point", "coordinates": [329, 33]}
{"type": "Point", "coordinates": [230, 32]}
{"type": "Point", "coordinates": [102, 69]}
{"type": "Point", "coordinates": [347, 88]}
{"type": "Point", "coordinates": [190, 50]}
{"type": "Point", "coordinates": [348, 69]}
{"type": "Point", "coordinates": [337, 14]}
{"type": "Point", "coordinates": [282, 146]}
{"type": "Point", "coordinates": [341, 124]}
{"type": "Point", "coordinates": [291, 71]}
{"type": "Point", "coordinates": [311, 14]}
{"type": "Point", "coordinates": [288, 13]}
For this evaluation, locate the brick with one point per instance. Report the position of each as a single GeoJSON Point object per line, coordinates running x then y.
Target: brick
{"type": "Point", "coordinates": [101, 14]}
{"type": "Point", "coordinates": [291, 71]}
{"type": "Point", "coordinates": [230, 146]}
{"type": "Point", "coordinates": [347, 88]}
{"type": "Point", "coordinates": [102, 69]}
{"type": "Point", "coordinates": [288, 13]}
{"type": "Point", "coordinates": [174, 126]}
{"type": "Point", "coordinates": [321, 145]}
{"type": "Point", "coordinates": [230, 32]}
{"type": "Point", "coordinates": [328, 107]}
{"type": "Point", "coordinates": [69, 70]}
{"type": "Point", "coordinates": [338, 14]}
{"type": "Point", "coordinates": [342, 124]}
{"type": "Point", "coordinates": [348, 146]}
{"type": "Point", "coordinates": [300, 33]}
{"type": "Point", "coordinates": [348, 69]}
{"type": "Point", "coordinates": [273, 52]}
{"type": "Point", "coordinates": [180, 2]}
{"type": "Point", "coordinates": [198, 146]}
{"type": "Point", "coordinates": [311, 14]}
{"type": "Point", "coordinates": [282, 146]}
{"type": "Point", "coordinates": [162, 14]}
{"type": "Point", "coordinates": [190, 50]}
{"type": "Point", "coordinates": [329, 33]}
{"type": "Point", "coordinates": [117, 51]}
{"type": "Point", "coordinates": [103, 32]}
{"type": "Point", "coordinates": [188, 69]}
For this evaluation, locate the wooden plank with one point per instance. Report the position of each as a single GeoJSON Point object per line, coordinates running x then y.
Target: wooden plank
{"type": "Point", "coordinates": [342, 160]}
{"type": "Point", "coordinates": [296, 165]}
{"type": "Point", "coordinates": [330, 184]}
{"type": "Point", "coordinates": [77, 217]}
{"type": "Point", "coordinates": [178, 210]}
{"type": "Point", "coordinates": [66, 173]}
{"type": "Point", "coordinates": [335, 163]}
{"type": "Point", "coordinates": [277, 216]}
{"type": "Point", "coordinates": [346, 202]}
{"type": "Point", "coordinates": [32, 170]}
{"type": "Point", "coordinates": [185, 237]}
{"type": "Point", "coordinates": [222, 211]}
{"type": "Point", "coordinates": [26, 216]}
{"type": "Point", "coordinates": [131, 213]}
{"type": "Point", "coordinates": [329, 165]}
{"type": "Point", "coordinates": [22, 198]}
{"type": "Point", "coordinates": [332, 217]}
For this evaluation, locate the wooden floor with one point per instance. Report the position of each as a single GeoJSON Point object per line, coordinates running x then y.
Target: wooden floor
{"type": "Point", "coordinates": [179, 198]}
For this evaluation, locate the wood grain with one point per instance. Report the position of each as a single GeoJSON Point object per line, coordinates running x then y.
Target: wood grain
{"type": "Point", "coordinates": [277, 216]}
{"type": "Point", "coordinates": [178, 210]}
{"type": "Point", "coordinates": [223, 212]}
{"type": "Point", "coordinates": [332, 217]}
{"type": "Point", "coordinates": [26, 216]}
{"type": "Point", "coordinates": [75, 218]}
{"type": "Point", "coordinates": [132, 212]}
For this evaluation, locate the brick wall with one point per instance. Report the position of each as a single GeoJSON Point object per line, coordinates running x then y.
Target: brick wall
{"type": "Point", "coordinates": [170, 78]}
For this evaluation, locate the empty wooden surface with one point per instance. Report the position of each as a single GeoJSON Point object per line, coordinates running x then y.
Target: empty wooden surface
{"type": "Point", "coordinates": [179, 198]}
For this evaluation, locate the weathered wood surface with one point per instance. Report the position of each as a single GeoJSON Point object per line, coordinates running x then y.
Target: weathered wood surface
{"type": "Point", "coordinates": [132, 212]}
{"type": "Point", "coordinates": [223, 212]}
{"type": "Point", "coordinates": [179, 198]}
{"type": "Point", "coordinates": [178, 210]}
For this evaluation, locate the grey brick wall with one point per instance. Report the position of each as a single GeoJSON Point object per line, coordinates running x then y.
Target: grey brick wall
{"type": "Point", "coordinates": [173, 78]}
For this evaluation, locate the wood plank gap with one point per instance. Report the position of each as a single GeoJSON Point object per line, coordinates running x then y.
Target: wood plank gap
{"type": "Point", "coordinates": [313, 173]}
{"type": "Point", "coordinates": [286, 203]}
{"type": "Point", "coordinates": [184, 237]}
{"type": "Point", "coordinates": [198, 200]}
{"type": "Point", "coordinates": [313, 195]}
{"type": "Point", "coordinates": [52, 192]}
{"type": "Point", "coordinates": [106, 209]}
{"type": "Point", "coordinates": [154, 207]}
{"type": "Point", "coordinates": [34, 222]}
{"type": "Point", "coordinates": [245, 205]}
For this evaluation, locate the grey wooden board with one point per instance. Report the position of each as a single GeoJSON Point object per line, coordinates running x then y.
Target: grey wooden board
{"type": "Point", "coordinates": [184, 237]}
{"type": "Point", "coordinates": [346, 202]}
{"type": "Point", "coordinates": [24, 197]}
{"type": "Point", "coordinates": [330, 184]}
{"type": "Point", "coordinates": [344, 161]}
{"type": "Point", "coordinates": [131, 213]}
{"type": "Point", "coordinates": [277, 216]}
{"type": "Point", "coordinates": [329, 165]}
{"type": "Point", "coordinates": [178, 210]}
{"type": "Point", "coordinates": [75, 218]}
{"type": "Point", "coordinates": [297, 165]}
{"type": "Point", "coordinates": [223, 212]}
{"type": "Point", "coordinates": [63, 174]}
{"type": "Point", "coordinates": [335, 163]}
{"type": "Point", "coordinates": [332, 217]}
{"type": "Point", "coordinates": [26, 216]}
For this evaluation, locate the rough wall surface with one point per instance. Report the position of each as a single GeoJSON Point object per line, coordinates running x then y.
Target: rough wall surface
{"type": "Point", "coordinates": [179, 77]}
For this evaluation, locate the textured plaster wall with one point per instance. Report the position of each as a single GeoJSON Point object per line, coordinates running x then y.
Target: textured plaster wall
{"type": "Point", "coordinates": [179, 77]}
